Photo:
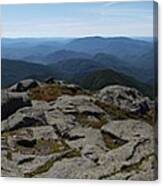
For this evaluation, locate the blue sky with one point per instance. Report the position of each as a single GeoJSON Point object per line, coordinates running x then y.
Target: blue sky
{"type": "Point", "coordinates": [78, 19]}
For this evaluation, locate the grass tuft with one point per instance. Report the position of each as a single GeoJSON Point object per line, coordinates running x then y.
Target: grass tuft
{"type": "Point", "coordinates": [52, 92]}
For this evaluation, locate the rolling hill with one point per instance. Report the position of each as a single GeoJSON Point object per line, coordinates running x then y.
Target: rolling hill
{"type": "Point", "coordinates": [73, 58]}
{"type": "Point", "coordinates": [138, 55]}
{"type": "Point", "coordinates": [74, 69]}
{"type": "Point", "coordinates": [118, 46]}
{"type": "Point", "coordinates": [101, 78]}
{"type": "Point", "coordinates": [13, 71]}
{"type": "Point", "coordinates": [64, 55]}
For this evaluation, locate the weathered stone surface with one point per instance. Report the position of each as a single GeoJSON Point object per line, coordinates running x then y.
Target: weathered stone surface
{"type": "Point", "coordinates": [121, 160]}
{"type": "Point", "coordinates": [28, 136]}
{"type": "Point", "coordinates": [40, 105]}
{"type": "Point", "coordinates": [129, 129]}
{"type": "Point", "coordinates": [73, 137]}
{"type": "Point", "coordinates": [77, 104]}
{"type": "Point", "coordinates": [92, 152]}
{"type": "Point", "coordinates": [29, 163]}
{"type": "Point", "coordinates": [68, 168]}
{"type": "Point", "coordinates": [11, 102]}
{"type": "Point", "coordinates": [140, 171]}
{"type": "Point", "coordinates": [125, 98]}
{"type": "Point", "coordinates": [24, 85]}
{"type": "Point", "coordinates": [52, 80]}
{"type": "Point", "coordinates": [61, 122]}
{"type": "Point", "coordinates": [9, 167]}
{"type": "Point", "coordinates": [25, 117]}
{"type": "Point", "coordinates": [80, 137]}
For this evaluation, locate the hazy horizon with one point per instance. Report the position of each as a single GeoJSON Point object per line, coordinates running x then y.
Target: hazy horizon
{"type": "Point", "coordinates": [55, 37]}
{"type": "Point", "coordinates": [75, 20]}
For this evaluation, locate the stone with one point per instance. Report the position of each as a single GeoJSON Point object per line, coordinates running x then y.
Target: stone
{"type": "Point", "coordinates": [11, 102]}
{"type": "Point", "coordinates": [24, 85]}
{"type": "Point", "coordinates": [69, 168]}
{"type": "Point", "coordinates": [61, 122]}
{"type": "Point", "coordinates": [92, 152]}
{"type": "Point", "coordinates": [25, 117]}
{"type": "Point", "coordinates": [40, 105]}
{"type": "Point", "coordinates": [125, 98]}
{"type": "Point", "coordinates": [9, 168]}
{"type": "Point", "coordinates": [80, 137]}
{"type": "Point", "coordinates": [129, 129]}
{"type": "Point", "coordinates": [73, 137]}
{"type": "Point", "coordinates": [78, 104]}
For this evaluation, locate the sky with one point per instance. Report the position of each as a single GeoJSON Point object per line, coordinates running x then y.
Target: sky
{"type": "Point", "coordinates": [78, 19]}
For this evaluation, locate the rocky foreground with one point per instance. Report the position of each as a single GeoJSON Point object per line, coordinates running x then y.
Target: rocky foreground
{"type": "Point", "coordinates": [52, 129]}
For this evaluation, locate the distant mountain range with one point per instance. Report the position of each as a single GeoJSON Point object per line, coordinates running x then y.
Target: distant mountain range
{"type": "Point", "coordinates": [13, 71]}
{"type": "Point", "coordinates": [132, 55]}
{"type": "Point", "coordinates": [101, 78]}
{"type": "Point", "coordinates": [75, 59]}
{"type": "Point", "coordinates": [87, 73]}
{"type": "Point", "coordinates": [64, 55]}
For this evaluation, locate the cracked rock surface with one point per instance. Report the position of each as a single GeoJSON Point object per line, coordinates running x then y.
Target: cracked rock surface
{"type": "Point", "coordinates": [75, 135]}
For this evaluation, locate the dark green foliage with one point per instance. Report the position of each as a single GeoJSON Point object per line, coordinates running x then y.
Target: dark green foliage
{"type": "Point", "coordinates": [14, 71]}
{"type": "Point", "coordinates": [101, 78]}
{"type": "Point", "coordinates": [73, 69]}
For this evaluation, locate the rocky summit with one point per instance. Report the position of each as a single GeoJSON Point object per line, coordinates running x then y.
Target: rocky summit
{"type": "Point", "coordinates": [57, 130]}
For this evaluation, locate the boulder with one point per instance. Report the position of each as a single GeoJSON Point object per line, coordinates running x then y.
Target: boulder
{"type": "Point", "coordinates": [78, 104]}
{"type": "Point", "coordinates": [40, 105]}
{"type": "Point", "coordinates": [52, 80]}
{"type": "Point", "coordinates": [9, 168]}
{"type": "Point", "coordinates": [75, 137]}
{"type": "Point", "coordinates": [129, 129]}
{"type": "Point", "coordinates": [61, 122]}
{"type": "Point", "coordinates": [125, 98]}
{"type": "Point", "coordinates": [25, 117]}
{"type": "Point", "coordinates": [80, 137]}
{"type": "Point", "coordinates": [68, 168]}
{"type": "Point", "coordinates": [24, 85]}
{"type": "Point", "coordinates": [12, 101]}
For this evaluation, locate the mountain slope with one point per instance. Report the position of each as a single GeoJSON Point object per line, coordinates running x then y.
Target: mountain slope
{"type": "Point", "coordinates": [101, 78]}
{"type": "Point", "coordinates": [134, 53]}
{"type": "Point", "coordinates": [112, 62]}
{"type": "Point", "coordinates": [64, 55]}
{"type": "Point", "coordinates": [13, 71]}
{"type": "Point", "coordinates": [29, 49]}
{"type": "Point", "coordinates": [74, 69]}
{"type": "Point", "coordinates": [118, 46]}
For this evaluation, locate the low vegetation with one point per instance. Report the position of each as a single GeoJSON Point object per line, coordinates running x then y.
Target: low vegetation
{"type": "Point", "coordinates": [119, 114]}
{"type": "Point", "coordinates": [92, 121]}
{"type": "Point", "coordinates": [43, 147]}
{"type": "Point", "coordinates": [41, 169]}
{"type": "Point", "coordinates": [52, 92]}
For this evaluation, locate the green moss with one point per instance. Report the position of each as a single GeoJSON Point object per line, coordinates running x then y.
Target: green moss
{"type": "Point", "coordinates": [44, 147]}
{"type": "Point", "coordinates": [11, 133]}
{"type": "Point", "coordinates": [50, 146]}
{"type": "Point", "coordinates": [44, 168]}
{"type": "Point", "coordinates": [73, 153]}
{"type": "Point", "coordinates": [41, 169]}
